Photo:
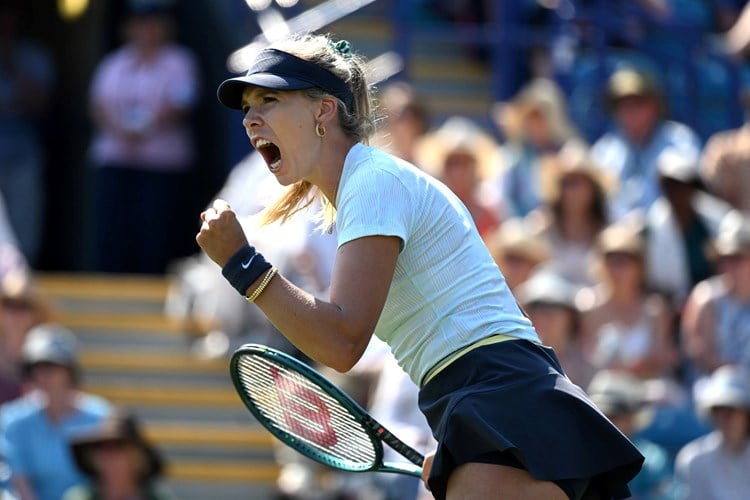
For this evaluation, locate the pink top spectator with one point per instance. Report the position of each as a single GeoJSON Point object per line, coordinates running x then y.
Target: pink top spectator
{"type": "Point", "coordinates": [135, 92]}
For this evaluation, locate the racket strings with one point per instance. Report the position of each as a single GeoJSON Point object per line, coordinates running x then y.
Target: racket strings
{"type": "Point", "coordinates": [295, 405]}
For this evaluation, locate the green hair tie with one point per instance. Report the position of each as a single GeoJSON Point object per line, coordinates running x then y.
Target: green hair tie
{"type": "Point", "coordinates": [342, 47]}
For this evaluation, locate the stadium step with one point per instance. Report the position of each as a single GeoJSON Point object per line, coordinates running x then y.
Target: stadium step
{"type": "Point", "coordinates": [135, 356]}
{"type": "Point", "coordinates": [444, 74]}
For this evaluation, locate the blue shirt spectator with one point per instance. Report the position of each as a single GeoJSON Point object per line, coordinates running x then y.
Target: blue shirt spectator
{"type": "Point", "coordinates": [35, 430]}
{"type": "Point", "coordinates": [641, 133]}
{"type": "Point", "coordinates": [39, 449]}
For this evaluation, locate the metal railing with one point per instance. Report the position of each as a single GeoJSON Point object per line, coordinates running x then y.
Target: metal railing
{"type": "Point", "coordinates": [701, 83]}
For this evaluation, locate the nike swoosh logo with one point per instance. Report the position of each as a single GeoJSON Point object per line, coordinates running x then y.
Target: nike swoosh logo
{"type": "Point", "coordinates": [245, 265]}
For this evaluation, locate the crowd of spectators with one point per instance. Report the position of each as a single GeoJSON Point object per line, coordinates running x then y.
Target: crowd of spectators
{"type": "Point", "coordinates": [629, 249]}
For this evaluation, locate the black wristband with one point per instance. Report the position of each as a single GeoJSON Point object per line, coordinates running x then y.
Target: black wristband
{"type": "Point", "coordinates": [244, 268]}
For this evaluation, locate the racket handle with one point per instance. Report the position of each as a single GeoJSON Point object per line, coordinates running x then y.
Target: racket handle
{"type": "Point", "coordinates": [407, 451]}
{"type": "Point", "coordinates": [401, 468]}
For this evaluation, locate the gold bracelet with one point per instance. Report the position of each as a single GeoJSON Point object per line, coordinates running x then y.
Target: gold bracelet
{"type": "Point", "coordinates": [263, 284]}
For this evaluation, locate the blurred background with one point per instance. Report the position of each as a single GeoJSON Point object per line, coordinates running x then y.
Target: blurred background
{"type": "Point", "coordinates": [103, 175]}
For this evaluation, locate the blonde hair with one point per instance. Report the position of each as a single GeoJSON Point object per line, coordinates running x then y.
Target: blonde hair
{"type": "Point", "coordinates": [357, 123]}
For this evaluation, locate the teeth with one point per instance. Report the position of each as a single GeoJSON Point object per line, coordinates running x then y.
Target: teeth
{"type": "Point", "coordinates": [275, 165]}
{"type": "Point", "coordinates": [261, 142]}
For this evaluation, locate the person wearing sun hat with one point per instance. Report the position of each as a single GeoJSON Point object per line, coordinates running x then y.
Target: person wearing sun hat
{"type": "Point", "coordinates": [575, 210]}
{"type": "Point", "coordinates": [681, 224]}
{"type": "Point", "coordinates": [641, 132]}
{"type": "Point", "coordinates": [463, 156]}
{"type": "Point", "coordinates": [21, 307]}
{"type": "Point", "coordinates": [623, 398]}
{"type": "Point", "coordinates": [35, 429]}
{"type": "Point", "coordinates": [626, 326]}
{"type": "Point", "coordinates": [517, 249]}
{"type": "Point", "coordinates": [550, 301]}
{"type": "Point", "coordinates": [716, 317]}
{"type": "Point", "coordinates": [717, 464]}
{"type": "Point", "coordinates": [535, 125]}
{"type": "Point", "coordinates": [119, 461]}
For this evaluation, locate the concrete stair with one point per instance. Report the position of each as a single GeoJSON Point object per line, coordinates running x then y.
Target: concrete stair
{"type": "Point", "coordinates": [136, 357]}
{"type": "Point", "coordinates": [443, 72]}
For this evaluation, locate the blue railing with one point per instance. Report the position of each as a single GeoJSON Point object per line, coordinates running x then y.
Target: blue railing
{"type": "Point", "coordinates": [701, 84]}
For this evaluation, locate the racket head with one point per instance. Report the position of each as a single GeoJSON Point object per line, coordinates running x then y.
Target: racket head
{"type": "Point", "coordinates": [304, 410]}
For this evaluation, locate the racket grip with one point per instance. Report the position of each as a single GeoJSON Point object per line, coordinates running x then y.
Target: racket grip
{"type": "Point", "coordinates": [407, 451]}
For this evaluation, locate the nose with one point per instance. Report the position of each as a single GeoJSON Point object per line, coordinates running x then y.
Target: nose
{"type": "Point", "coordinates": [251, 119]}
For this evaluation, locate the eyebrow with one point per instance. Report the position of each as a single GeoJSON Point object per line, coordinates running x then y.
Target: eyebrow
{"type": "Point", "coordinates": [257, 93]}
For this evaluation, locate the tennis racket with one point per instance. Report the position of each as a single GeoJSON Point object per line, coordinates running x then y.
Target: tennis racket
{"type": "Point", "coordinates": [309, 413]}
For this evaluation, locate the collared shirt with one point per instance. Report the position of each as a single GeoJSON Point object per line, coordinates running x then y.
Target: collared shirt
{"type": "Point", "coordinates": [636, 168]}
{"type": "Point", "coordinates": [39, 449]}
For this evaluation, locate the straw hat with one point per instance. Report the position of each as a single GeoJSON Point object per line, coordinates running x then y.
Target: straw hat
{"type": "Point", "coordinates": [540, 95]}
{"type": "Point", "coordinates": [573, 158]}
{"type": "Point", "coordinates": [515, 237]}
{"type": "Point", "coordinates": [457, 135]}
{"type": "Point", "coordinates": [119, 428]}
{"type": "Point", "coordinates": [621, 238]}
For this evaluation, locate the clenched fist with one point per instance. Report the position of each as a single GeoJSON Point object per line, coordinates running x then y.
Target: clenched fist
{"type": "Point", "coordinates": [221, 234]}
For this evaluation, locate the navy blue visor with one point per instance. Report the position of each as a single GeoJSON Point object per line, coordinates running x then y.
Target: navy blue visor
{"type": "Point", "coordinates": [278, 70]}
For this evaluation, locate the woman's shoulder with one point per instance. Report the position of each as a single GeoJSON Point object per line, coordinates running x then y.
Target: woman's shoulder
{"type": "Point", "coordinates": [371, 166]}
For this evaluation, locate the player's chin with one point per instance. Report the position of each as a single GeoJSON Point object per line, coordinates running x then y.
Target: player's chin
{"type": "Point", "coordinates": [284, 178]}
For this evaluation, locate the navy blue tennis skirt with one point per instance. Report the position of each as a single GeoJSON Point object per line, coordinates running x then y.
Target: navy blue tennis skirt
{"type": "Point", "coordinates": [511, 399]}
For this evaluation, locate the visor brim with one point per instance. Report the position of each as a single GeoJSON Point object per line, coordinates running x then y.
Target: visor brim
{"type": "Point", "coordinates": [230, 91]}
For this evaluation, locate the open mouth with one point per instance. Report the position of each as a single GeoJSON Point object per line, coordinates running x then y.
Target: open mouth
{"type": "Point", "coordinates": [270, 153]}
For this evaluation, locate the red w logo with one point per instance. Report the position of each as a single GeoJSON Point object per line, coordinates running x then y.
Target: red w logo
{"type": "Point", "coordinates": [305, 412]}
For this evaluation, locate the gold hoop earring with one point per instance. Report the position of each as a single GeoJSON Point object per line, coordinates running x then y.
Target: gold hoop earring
{"type": "Point", "coordinates": [320, 130]}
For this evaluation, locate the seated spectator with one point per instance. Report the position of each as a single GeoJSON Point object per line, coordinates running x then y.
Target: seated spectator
{"type": "Point", "coordinates": [535, 126]}
{"type": "Point", "coordinates": [621, 397]}
{"type": "Point", "coordinates": [625, 326]}
{"type": "Point", "coordinates": [517, 250]}
{"type": "Point", "coordinates": [575, 191]}
{"type": "Point", "coordinates": [549, 300]}
{"type": "Point", "coordinates": [35, 431]}
{"type": "Point", "coordinates": [405, 122]}
{"type": "Point", "coordinates": [21, 308]}
{"type": "Point", "coordinates": [463, 156]}
{"type": "Point", "coordinates": [725, 163]}
{"type": "Point", "coordinates": [716, 466]}
{"type": "Point", "coordinates": [119, 462]}
{"type": "Point", "coordinates": [641, 133]}
{"type": "Point", "coordinates": [680, 226]}
{"type": "Point", "coordinates": [715, 325]}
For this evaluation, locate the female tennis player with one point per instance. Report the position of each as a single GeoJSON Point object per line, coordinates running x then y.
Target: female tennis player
{"type": "Point", "coordinates": [412, 269]}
